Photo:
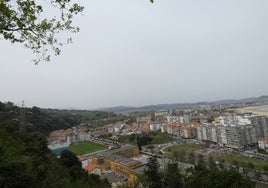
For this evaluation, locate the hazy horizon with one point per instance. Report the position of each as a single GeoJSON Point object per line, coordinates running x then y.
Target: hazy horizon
{"type": "Point", "coordinates": [134, 53]}
{"type": "Point", "coordinates": [19, 103]}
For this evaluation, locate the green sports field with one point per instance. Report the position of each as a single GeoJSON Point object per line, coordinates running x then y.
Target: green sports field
{"type": "Point", "coordinates": [87, 147]}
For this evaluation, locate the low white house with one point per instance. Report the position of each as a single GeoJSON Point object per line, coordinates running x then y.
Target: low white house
{"type": "Point", "coordinates": [93, 169]}
{"type": "Point", "coordinates": [83, 160]}
{"type": "Point", "coordinates": [263, 143]}
{"type": "Point", "coordinates": [155, 127]}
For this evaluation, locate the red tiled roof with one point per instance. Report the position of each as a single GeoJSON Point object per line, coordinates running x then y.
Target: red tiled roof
{"type": "Point", "coordinates": [264, 139]}
{"type": "Point", "coordinates": [91, 167]}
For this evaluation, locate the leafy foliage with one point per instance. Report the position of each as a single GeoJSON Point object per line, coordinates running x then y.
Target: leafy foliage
{"type": "Point", "coordinates": [26, 22]}
{"type": "Point", "coordinates": [37, 120]}
{"type": "Point", "coordinates": [152, 178]}
{"type": "Point", "coordinates": [47, 120]}
{"type": "Point", "coordinates": [154, 137]}
{"type": "Point", "coordinates": [199, 176]}
{"type": "Point", "coordinates": [173, 176]}
{"type": "Point", "coordinates": [143, 140]}
{"type": "Point", "coordinates": [160, 138]}
{"type": "Point", "coordinates": [25, 161]}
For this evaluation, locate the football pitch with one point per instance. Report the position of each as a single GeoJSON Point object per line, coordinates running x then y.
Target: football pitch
{"type": "Point", "coordinates": [87, 147]}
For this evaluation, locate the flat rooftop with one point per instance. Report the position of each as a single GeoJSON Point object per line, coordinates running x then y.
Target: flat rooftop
{"type": "Point", "coordinates": [112, 155]}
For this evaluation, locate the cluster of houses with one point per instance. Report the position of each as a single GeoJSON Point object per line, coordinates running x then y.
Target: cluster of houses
{"type": "Point", "coordinates": [121, 166]}
{"type": "Point", "coordinates": [235, 131]}
{"type": "Point", "coordinates": [62, 139]}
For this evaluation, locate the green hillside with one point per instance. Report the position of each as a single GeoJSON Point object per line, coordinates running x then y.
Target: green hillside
{"type": "Point", "coordinates": [25, 161]}
{"type": "Point", "coordinates": [46, 120]}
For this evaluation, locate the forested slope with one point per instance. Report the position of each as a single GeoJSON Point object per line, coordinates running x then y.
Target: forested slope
{"type": "Point", "coordinates": [25, 161]}
{"type": "Point", "coordinates": [46, 120]}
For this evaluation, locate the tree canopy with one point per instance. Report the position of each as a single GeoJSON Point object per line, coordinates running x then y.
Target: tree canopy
{"type": "Point", "coordinates": [37, 24]}
{"type": "Point", "coordinates": [25, 161]}
{"type": "Point", "coordinates": [28, 22]}
{"type": "Point", "coordinates": [202, 175]}
{"type": "Point", "coordinates": [47, 120]}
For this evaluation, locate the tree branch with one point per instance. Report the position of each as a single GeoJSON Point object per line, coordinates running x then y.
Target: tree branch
{"type": "Point", "coordinates": [16, 29]}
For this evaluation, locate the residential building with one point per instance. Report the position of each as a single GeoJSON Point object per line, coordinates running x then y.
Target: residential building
{"type": "Point", "coordinates": [155, 126]}
{"type": "Point", "coordinates": [93, 169]}
{"type": "Point", "coordinates": [263, 143]}
{"type": "Point", "coordinates": [174, 129]}
{"type": "Point", "coordinates": [188, 131]}
{"type": "Point", "coordinates": [83, 160]}
{"type": "Point", "coordinates": [120, 161]}
{"type": "Point", "coordinates": [262, 125]}
{"type": "Point", "coordinates": [221, 135]}
{"type": "Point", "coordinates": [234, 136]}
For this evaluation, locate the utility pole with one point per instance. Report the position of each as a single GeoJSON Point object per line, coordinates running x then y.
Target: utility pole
{"type": "Point", "coordinates": [22, 117]}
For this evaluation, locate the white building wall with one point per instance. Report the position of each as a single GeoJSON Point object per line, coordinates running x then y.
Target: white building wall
{"type": "Point", "coordinates": [155, 127]}
{"type": "Point", "coordinates": [204, 133]}
{"type": "Point", "coordinates": [263, 145]}
{"type": "Point", "coordinates": [84, 163]}
{"type": "Point", "coordinates": [199, 132]}
{"type": "Point", "coordinates": [222, 135]}
{"type": "Point", "coordinates": [164, 129]}
{"type": "Point", "coordinates": [214, 134]}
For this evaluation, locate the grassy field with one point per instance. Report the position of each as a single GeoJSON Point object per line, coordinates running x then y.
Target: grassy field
{"type": "Point", "coordinates": [233, 158]}
{"type": "Point", "coordinates": [87, 147]}
{"type": "Point", "coordinates": [186, 148]}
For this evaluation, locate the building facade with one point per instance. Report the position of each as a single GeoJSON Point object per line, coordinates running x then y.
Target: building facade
{"type": "Point", "coordinates": [120, 161]}
{"type": "Point", "coordinates": [234, 136]}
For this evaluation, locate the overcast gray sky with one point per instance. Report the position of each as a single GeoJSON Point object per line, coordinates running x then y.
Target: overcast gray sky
{"type": "Point", "coordinates": [133, 53]}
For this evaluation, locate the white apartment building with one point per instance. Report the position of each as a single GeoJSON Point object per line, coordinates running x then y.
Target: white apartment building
{"type": "Point", "coordinates": [234, 120]}
{"type": "Point", "coordinates": [262, 123]}
{"type": "Point", "coordinates": [155, 126]}
{"type": "Point", "coordinates": [221, 135]}
{"type": "Point", "coordinates": [173, 119]}
{"type": "Point", "coordinates": [235, 136]}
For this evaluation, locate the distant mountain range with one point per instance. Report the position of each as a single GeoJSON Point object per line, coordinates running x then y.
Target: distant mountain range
{"type": "Point", "coordinates": [128, 109]}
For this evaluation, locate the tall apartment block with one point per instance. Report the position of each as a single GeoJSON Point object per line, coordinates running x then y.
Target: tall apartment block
{"type": "Point", "coordinates": [238, 136]}
{"type": "Point", "coordinates": [262, 125]}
